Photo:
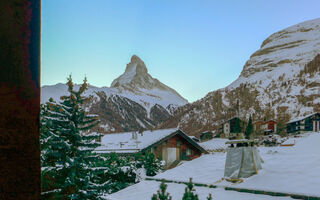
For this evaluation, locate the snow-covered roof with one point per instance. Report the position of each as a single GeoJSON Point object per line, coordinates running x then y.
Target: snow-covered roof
{"type": "Point", "coordinates": [271, 120]}
{"type": "Point", "coordinates": [128, 143]}
{"type": "Point", "coordinates": [207, 131]}
{"type": "Point", "coordinates": [213, 132]}
{"type": "Point", "coordinates": [214, 144]}
{"type": "Point", "coordinates": [132, 142]}
{"type": "Point", "coordinates": [242, 141]}
{"type": "Point", "coordinates": [230, 120]}
{"type": "Point", "coordinates": [301, 118]}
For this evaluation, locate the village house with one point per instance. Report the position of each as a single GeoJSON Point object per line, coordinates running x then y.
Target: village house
{"type": "Point", "coordinates": [232, 128]}
{"type": "Point", "coordinates": [257, 126]}
{"type": "Point", "coordinates": [265, 127]}
{"type": "Point", "coordinates": [300, 125]}
{"type": "Point", "coordinates": [269, 127]}
{"type": "Point", "coordinates": [170, 145]}
{"type": "Point", "coordinates": [206, 135]}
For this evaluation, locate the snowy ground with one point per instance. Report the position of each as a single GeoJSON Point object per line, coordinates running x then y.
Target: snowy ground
{"type": "Point", "coordinates": [293, 169]}
{"type": "Point", "coordinates": [145, 189]}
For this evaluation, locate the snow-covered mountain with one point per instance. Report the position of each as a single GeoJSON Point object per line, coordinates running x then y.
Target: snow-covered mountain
{"type": "Point", "coordinates": [135, 99]}
{"type": "Point", "coordinates": [280, 80]}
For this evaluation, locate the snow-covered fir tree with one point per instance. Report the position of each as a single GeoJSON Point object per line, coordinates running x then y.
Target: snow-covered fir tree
{"type": "Point", "coordinates": [70, 167]}
{"type": "Point", "coordinates": [68, 161]}
{"type": "Point", "coordinates": [52, 153]}
{"type": "Point", "coordinates": [151, 164]}
{"type": "Point", "coordinates": [189, 193]}
{"type": "Point", "coordinates": [162, 193]}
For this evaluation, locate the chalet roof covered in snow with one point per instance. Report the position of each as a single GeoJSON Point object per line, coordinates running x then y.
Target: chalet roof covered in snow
{"type": "Point", "coordinates": [301, 118]}
{"type": "Point", "coordinates": [132, 142]}
{"type": "Point", "coordinates": [214, 144]}
{"type": "Point", "coordinates": [228, 120]}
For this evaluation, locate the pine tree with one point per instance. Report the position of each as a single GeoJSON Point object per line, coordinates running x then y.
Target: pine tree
{"type": "Point", "coordinates": [68, 158]}
{"type": "Point", "coordinates": [189, 192]}
{"type": "Point", "coordinates": [52, 152]}
{"type": "Point", "coordinates": [121, 172]}
{"type": "Point", "coordinates": [209, 197]}
{"type": "Point", "coordinates": [237, 127]}
{"type": "Point", "coordinates": [70, 168]}
{"type": "Point", "coordinates": [282, 118]}
{"type": "Point", "coordinates": [151, 164]}
{"type": "Point", "coordinates": [162, 194]}
{"type": "Point", "coordinates": [249, 129]}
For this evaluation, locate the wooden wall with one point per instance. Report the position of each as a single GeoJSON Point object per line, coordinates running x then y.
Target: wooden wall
{"type": "Point", "coordinates": [173, 143]}
{"type": "Point", "coordinates": [271, 125]}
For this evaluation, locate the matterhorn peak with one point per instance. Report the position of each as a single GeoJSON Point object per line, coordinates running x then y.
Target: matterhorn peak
{"type": "Point", "coordinates": [136, 59]}
{"type": "Point", "coordinates": [136, 65]}
{"type": "Point", "coordinates": [136, 79]}
{"type": "Point", "coordinates": [135, 76]}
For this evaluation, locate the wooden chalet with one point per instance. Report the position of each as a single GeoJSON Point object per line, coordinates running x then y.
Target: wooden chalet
{"type": "Point", "coordinates": [206, 135]}
{"type": "Point", "coordinates": [171, 145]}
{"type": "Point", "coordinates": [257, 126]}
{"type": "Point", "coordinates": [307, 123]}
{"type": "Point", "coordinates": [265, 127]}
{"type": "Point", "coordinates": [232, 128]}
{"type": "Point", "coordinates": [269, 127]}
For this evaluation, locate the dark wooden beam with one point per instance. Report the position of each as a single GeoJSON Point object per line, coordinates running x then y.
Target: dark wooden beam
{"type": "Point", "coordinates": [19, 99]}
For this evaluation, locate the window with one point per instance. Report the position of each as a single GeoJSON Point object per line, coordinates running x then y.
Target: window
{"type": "Point", "coordinates": [178, 143]}
{"type": "Point", "coordinates": [189, 152]}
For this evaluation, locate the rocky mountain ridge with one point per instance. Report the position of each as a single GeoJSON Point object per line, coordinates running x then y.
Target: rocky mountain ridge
{"type": "Point", "coordinates": [280, 81]}
{"type": "Point", "coordinates": [134, 101]}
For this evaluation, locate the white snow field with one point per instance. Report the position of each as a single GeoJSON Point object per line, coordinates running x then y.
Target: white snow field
{"type": "Point", "coordinates": [294, 169]}
{"type": "Point", "coordinates": [145, 189]}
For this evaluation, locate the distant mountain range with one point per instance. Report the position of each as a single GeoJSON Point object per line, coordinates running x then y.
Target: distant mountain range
{"type": "Point", "coordinates": [134, 101]}
{"type": "Point", "coordinates": [280, 79]}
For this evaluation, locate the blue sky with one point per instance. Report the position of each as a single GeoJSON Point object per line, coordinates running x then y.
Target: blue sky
{"type": "Point", "coordinates": [192, 46]}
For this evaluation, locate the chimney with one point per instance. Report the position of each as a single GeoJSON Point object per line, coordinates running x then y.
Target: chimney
{"type": "Point", "coordinates": [141, 131]}
{"type": "Point", "coordinates": [134, 135]}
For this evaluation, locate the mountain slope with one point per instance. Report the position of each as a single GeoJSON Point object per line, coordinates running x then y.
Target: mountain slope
{"type": "Point", "coordinates": [135, 100]}
{"type": "Point", "coordinates": [280, 80]}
